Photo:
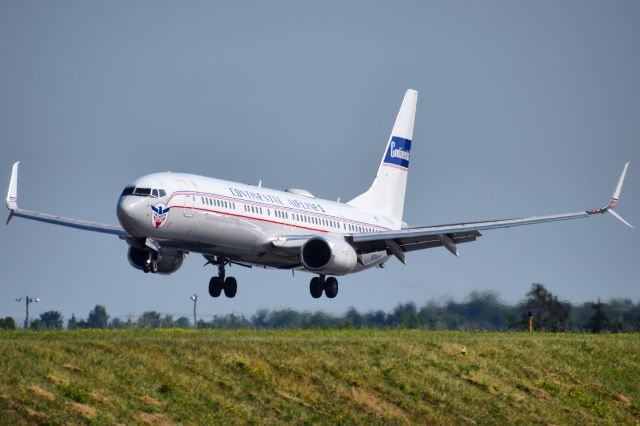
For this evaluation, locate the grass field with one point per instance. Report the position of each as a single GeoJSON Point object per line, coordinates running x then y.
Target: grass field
{"type": "Point", "coordinates": [354, 377]}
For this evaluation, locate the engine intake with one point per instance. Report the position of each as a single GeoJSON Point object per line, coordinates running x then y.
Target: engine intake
{"type": "Point", "coordinates": [329, 256]}
{"type": "Point", "coordinates": [169, 260]}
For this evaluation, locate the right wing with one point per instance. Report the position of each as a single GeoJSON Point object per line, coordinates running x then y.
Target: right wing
{"type": "Point", "coordinates": [12, 205]}
{"type": "Point", "coordinates": [409, 239]}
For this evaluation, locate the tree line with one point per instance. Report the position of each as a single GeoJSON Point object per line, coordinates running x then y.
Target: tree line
{"type": "Point", "coordinates": [481, 310]}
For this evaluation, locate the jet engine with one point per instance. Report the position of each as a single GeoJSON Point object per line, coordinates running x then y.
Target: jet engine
{"type": "Point", "coordinates": [168, 260]}
{"type": "Point", "coordinates": [328, 256]}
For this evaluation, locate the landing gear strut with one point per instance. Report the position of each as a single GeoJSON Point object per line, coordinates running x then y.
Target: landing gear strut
{"type": "Point", "coordinates": [320, 284]}
{"type": "Point", "coordinates": [151, 265]}
{"type": "Point", "coordinates": [220, 283]}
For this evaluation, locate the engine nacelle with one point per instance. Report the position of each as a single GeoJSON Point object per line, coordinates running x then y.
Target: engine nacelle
{"type": "Point", "coordinates": [168, 260]}
{"type": "Point", "coordinates": [328, 256]}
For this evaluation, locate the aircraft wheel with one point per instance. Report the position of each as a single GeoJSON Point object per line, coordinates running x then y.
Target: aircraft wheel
{"type": "Point", "coordinates": [215, 286]}
{"type": "Point", "coordinates": [230, 287]}
{"type": "Point", "coordinates": [315, 287]}
{"type": "Point", "coordinates": [154, 266]}
{"type": "Point", "coordinates": [331, 287]}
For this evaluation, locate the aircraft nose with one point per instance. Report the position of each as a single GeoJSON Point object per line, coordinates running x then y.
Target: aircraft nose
{"type": "Point", "coordinates": [132, 212]}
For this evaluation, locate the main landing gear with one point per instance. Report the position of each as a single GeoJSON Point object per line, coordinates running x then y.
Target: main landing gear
{"type": "Point", "coordinates": [220, 283]}
{"type": "Point", "coordinates": [319, 284]}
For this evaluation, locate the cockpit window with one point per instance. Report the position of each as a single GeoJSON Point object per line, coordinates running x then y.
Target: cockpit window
{"type": "Point", "coordinates": [142, 191]}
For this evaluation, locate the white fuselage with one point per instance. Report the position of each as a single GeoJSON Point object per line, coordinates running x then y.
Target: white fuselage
{"type": "Point", "coordinates": [237, 221]}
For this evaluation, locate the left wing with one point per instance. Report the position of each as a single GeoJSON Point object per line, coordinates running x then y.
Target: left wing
{"type": "Point", "coordinates": [12, 205]}
{"type": "Point", "coordinates": [408, 239]}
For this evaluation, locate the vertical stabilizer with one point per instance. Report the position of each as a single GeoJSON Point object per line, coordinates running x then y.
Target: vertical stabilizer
{"type": "Point", "coordinates": [386, 194]}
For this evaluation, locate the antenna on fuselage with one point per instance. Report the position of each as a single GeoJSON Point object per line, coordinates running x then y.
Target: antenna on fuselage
{"type": "Point", "coordinates": [260, 183]}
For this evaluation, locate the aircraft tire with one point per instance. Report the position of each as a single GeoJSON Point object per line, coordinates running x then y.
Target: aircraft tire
{"type": "Point", "coordinates": [331, 287]}
{"type": "Point", "coordinates": [316, 287]}
{"type": "Point", "coordinates": [230, 287]}
{"type": "Point", "coordinates": [215, 286]}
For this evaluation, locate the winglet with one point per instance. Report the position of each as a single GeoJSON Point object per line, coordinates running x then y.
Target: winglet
{"type": "Point", "coordinates": [616, 194]}
{"type": "Point", "coordinates": [12, 193]}
{"type": "Point", "coordinates": [613, 202]}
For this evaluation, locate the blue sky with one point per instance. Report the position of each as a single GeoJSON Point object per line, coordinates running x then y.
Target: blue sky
{"type": "Point", "coordinates": [524, 108]}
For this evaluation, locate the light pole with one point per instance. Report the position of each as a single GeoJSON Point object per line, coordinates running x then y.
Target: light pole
{"type": "Point", "coordinates": [195, 301]}
{"type": "Point", "coordinates": [27, 301]}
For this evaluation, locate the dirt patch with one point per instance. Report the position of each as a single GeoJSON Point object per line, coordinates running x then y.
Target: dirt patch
{"type": "Point", "coordinates": [99, 398]}
{"type": "Point", "coordinates": [623, 400]}
{"type": "Point", "coordinates": [155, 419]}
{"type": "Point", "coordinates": [292, 398]}
{"type": "Point", "coordinates": [84, 410]}
{"type": "Point", "coordinates": [537, 392]}
{"type": "Point", "coordinates": [478, 384]}
{"type": "Point", "coordinates": [150, 402]}
{"type": "Point", "coordinates": [56, 380]}
{"type": "Point", "coordinates": [35, 414]}
{"type": "Point", "coordinates": [72, 367]}
{"type": "Point", "coordinates": [468, 420]}
{"type": "Point", "coordinates": [376, 405]}
{"type": "Point", "coordinates": [471, 380]}
{"type": "Point", "coordinates": [38, 391]}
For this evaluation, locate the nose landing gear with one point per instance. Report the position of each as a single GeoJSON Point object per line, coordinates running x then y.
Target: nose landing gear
{"type": "Point", "coordinates": [151, 264]}
{"type": "Point", "coordinates": [220, 283]}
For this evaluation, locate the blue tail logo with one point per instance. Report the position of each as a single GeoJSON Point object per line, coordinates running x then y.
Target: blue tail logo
{"type": "Point", "coordinates": [398, 153]}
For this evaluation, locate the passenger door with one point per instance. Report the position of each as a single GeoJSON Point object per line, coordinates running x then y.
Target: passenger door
{"type": "Point", "coordinates": [188, 200]}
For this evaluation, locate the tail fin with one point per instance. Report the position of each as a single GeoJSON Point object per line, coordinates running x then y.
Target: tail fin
{"type": "Point", "coordinates": [386, 194]}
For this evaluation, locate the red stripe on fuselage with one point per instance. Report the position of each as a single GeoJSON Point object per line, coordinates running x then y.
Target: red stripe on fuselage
{"type": "Point", "coordinates": [274, 207]}
{"type": "Point", "coordinates": [249, 217]}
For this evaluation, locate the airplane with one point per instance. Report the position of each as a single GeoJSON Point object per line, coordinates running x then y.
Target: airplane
{"type": "Point", "coordinates": [165, 216]}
